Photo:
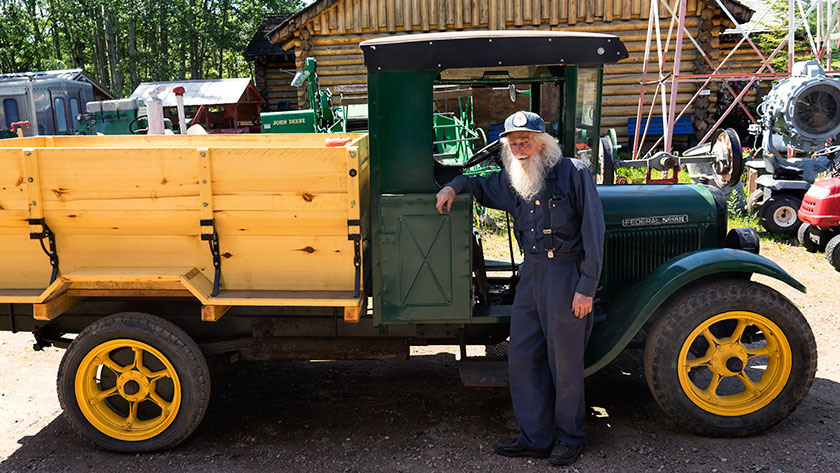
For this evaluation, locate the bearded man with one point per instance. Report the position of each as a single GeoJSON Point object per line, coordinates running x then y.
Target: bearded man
{"type": "Point", "coordinates": [559, 225]}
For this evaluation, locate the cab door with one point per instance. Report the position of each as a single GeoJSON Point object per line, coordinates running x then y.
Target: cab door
{"type": "Point", "coordinates": [425, 259]}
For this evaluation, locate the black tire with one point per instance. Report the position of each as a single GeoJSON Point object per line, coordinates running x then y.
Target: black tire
{"type": "Point", "coordinates": [832, 252]}
{"type": "Point", "coordinates": [778, 214]}
{"type": "Point", "coordinates": [163, 419]}
{"type": "Point", "coordinates": [606, 162]}
{"type": "Point", "coordinates": [804, 237]}
{"type": "Point", "coordinates": [717, 307]}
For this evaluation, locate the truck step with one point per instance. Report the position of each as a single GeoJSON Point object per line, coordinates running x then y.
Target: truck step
{"type": "Point", "coordinates": [484, 373]}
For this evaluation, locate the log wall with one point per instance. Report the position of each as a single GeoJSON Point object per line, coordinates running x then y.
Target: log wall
{"type": "Point", "coordinates": [333, 35]}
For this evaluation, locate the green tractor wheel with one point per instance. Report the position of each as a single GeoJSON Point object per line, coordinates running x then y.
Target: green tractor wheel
{"type": "Point", "coordinates": [133, 382]}
{"type": "Point", "coordinates": [730, 358]}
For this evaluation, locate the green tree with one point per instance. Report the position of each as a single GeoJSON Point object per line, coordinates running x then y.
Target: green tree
{"type": "Point", "coordinates": [122, 44]}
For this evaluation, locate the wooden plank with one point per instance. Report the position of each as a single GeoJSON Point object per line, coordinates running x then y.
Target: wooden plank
{"type": "Point", "coordinates": [608, 10]}
{"type": "Point", "coordinates": [424, 15]}
{"type": "Point", "coordinates": [398, 12]}
{"type": "Point", "coordinates": [286, 298]}
{"type": "Point", "coordinates": [33, 185]}
{"type": "Point", "coordinates": [599, 8]}
{"type": "Point", "coordinates": [459, 14]}
{"type": "Point", "coordinates": [391, 10]}
{"type": "Point", "coordinates": [626, 9]}
{"type": "Point", "coordinates": [364, 14]}
{"type": "Point", "coordinates": [374, 15]}
{"type": "Point", "coordinates": [536, 12]}
{"type": "Point", "coordinates": [130, 293]}
{"type": "Point", "coordinates": [23, 296]}
{"type": "Point", "coordinates": [31, 266]}
{"type": "Point", "coordinates": [590, 10]}
{"type": "Point", "coordinates": [519, 9]}
{"type": "Point", "coordinates": [526, 10]}
{"type": "Point", "coordinates": [383, 14]}
{"type": "Point", "coordinates": [509, 11]}
{"type": "Point", "coordinates": [212, 313]}
{"type": "Point", "coordinates": [554, 13]}
{"type": "Point", "coordinates": [340, 18]}
{"type": "Point", "coordinates": [244, 222]}
{"type": "Point", "coordinates": [573, 12]}
{"type": "Point", "coordinates": [433, 13]}
{"type": "Point", "coordinates": [333, 18]}
{"type": "Point", "coordinates": [564, 9]}
{"type": "Point", "coordinates": [357, 16]}
{"type": "Point", "coordinates": [325, 26]}
{"type": "Point", "coordinates": [54, 307]}
{"type": "Point", "coordinates": [636, 6]}
{"type": "Point", "coordinates": [416, 9]}
{"type": "Point", "coordinates": [450, 12]}
{"type": "Point", "coordinates": [476, 13]}
{"type": "Point", "coordinates": [353, 314]}
{"type": "Point", "coordinates": [645, 10]}
{"type": "Point", "coordinates": [493, 18]}
{"type": "Point", "coordinates": [405, 6]}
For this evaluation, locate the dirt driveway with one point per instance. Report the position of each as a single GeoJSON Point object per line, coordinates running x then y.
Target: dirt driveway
{"type": "Point", "coordinates": [414, 416]}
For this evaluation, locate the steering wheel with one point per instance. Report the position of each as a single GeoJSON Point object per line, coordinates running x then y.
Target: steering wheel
{"type": "Point", "coordinates": [134, 126]}
{"type": "Point", "coordinates": [489, 151]}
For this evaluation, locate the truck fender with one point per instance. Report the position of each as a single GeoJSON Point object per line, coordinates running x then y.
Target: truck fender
{"type": "Point", "coordinates": [634, 307]}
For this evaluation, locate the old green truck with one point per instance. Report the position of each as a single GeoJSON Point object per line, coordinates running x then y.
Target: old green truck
{"type": "Point", "coordinates": [142, 255]}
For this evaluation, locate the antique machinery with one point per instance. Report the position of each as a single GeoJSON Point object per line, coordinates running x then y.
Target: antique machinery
{"type": "Point", "coordinates": [800, 119]}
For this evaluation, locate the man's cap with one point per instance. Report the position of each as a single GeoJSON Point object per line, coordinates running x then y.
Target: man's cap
{"type": "Point", "coordinates": [523, 121]}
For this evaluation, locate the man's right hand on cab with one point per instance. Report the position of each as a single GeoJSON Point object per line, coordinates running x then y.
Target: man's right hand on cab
{"type": "Point", "coordinates": [445, 198]}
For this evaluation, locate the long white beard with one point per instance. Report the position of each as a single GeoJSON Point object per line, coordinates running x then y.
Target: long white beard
{"type": "Point", "coordinates": [526, 176]}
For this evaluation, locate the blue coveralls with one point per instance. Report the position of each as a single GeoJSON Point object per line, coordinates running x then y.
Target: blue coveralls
{"type": "Point", "coordinates": [562, 235]}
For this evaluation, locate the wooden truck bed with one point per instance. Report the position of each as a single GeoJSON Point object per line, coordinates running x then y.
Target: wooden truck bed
{"type": "Point", "coordinates": [135, 216]}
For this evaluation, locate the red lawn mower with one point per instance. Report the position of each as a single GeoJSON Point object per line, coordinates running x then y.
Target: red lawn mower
{"type": "Point", "coordinates": [820, 215]}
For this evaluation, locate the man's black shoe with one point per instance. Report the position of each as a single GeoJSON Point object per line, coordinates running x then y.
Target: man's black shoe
{"type": "Point", "coordinates": [512, 448]}
{"type": "Point", "coordinates": [563, 454]}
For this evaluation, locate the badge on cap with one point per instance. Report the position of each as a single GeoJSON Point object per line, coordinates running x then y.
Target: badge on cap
{"type": "Point", "coordinates": [519, 119]}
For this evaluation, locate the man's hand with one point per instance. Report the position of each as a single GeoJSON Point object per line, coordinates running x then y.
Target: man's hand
{"type": "Point", "coordinates": [445, 198]}
{"type": "Point", "coordinates": [581, 305]}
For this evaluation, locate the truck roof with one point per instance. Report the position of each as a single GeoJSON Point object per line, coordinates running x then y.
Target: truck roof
{"type": "Point", "coordinates": [490, 49]}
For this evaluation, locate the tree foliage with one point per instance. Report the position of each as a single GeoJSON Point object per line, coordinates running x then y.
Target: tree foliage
{"type": "Point", "coordinates": [124, 43]}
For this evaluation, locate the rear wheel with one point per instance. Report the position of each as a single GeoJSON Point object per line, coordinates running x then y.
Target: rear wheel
{"type": "Point", "coordinates": [804, 237]}
{"type": "Point", "coordinates": [778, 214]}
{"type": "Point", "coordinates": [832, 252]}
{"type": "Point", "coordinates": [133, 382]}
{"type": "Point", "coordinates": [731, 358]}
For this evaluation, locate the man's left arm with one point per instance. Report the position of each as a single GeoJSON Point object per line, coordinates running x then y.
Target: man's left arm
{"type": "Point", "coordinates": [592, 237]}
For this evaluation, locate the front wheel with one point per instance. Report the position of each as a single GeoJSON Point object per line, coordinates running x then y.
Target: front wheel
{"type": "Point", "coordinates": [133, 382]}
{"type": "Point", "coordinates": [730, 358]}
{"type": "Point", "coordinates": [778, 214]}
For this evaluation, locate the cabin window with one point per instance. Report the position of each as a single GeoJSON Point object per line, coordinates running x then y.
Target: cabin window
{"type": "Point", "coordinates": [74, 110]}
{"type": "Point", "coordinates": [10, 110]}
{"type": "Point", "coordinates": [587, 102]}
{"type": "Point", "coordinates": [60, 115]}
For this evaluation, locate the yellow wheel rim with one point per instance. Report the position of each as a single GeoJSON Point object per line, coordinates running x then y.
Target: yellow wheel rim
{"type": "Point", "coordinates": [723, 372]}
{"type": "Point", "coordinates": [128, 390]}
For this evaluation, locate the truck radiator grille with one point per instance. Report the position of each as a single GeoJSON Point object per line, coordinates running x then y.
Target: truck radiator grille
{"type": "Point", "coordinates": [632, 255]}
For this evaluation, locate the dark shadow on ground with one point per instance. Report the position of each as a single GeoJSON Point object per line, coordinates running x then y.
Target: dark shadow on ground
{"type": "Point", "coordinates": [416, 416]}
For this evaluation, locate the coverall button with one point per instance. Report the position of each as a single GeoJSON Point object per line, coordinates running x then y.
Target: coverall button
{"type": "Point", "coordinates": [537, 202]}
{"type": "Point", "coordinates": [532, 229]}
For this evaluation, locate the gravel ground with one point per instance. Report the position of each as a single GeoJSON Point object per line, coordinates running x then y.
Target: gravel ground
{"type": "Point", "coordinates": [415, 416]}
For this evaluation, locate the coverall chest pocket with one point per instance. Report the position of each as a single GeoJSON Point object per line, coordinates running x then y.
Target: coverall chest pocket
{"type": "Point", "coordinates": [561, 214]}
